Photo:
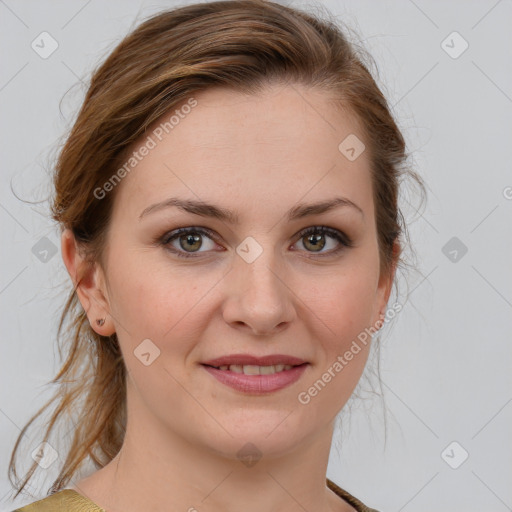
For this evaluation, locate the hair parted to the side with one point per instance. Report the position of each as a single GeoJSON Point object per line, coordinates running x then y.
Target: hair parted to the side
{"type": "Point", "coordinates": [239, 44]}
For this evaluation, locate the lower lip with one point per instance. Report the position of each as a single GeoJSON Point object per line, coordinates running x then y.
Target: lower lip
{"type": "Point", "coordinates": [257, 384]}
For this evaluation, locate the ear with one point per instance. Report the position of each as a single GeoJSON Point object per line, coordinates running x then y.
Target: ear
{"type": "Point", "coordinates": [384, 288]}
{"type": "Point", "coordinates": [89, 282]}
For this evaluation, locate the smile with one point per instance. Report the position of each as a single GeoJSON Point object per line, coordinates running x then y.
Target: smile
{"type": "Point", "coordinates": [251, 369]}
{"type": "Point", "coordinates": [255, 379]}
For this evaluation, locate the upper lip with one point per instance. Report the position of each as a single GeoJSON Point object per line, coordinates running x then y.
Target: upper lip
{"type": "Point", "coordinates": [247, 359]}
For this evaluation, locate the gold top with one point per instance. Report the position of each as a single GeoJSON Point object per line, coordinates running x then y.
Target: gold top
{"type": "Point", "coordinates": [68, 500]}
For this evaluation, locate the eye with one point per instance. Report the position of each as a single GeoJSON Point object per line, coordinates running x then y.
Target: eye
{"type": "Point", "coordinates": [313, 239]}
{"type": "Point", "coordinates": [187, 241]}
{"type": "Point", "coordinates": [184, 242]}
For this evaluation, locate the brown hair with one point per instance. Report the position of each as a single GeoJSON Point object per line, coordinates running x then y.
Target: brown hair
{"type": "Point", "coordinates": [239, 44]}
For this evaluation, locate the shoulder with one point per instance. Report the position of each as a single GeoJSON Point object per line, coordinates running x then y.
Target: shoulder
{"type": "Point", "coordinates": [69, 500]}
{"type": "Point", "coordinates": [352, 500]}
{"type": "Point", "coordinates": [66, 500]}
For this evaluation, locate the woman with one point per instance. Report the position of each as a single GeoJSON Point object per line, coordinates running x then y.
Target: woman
{"type": "Point", "coordinates": [228, 204]}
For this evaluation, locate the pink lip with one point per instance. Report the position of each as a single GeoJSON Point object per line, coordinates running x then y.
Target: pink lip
{"type": "Point", "coordinates": [247, 359]}
{"type": "Point", "coordinates": [257, 384]}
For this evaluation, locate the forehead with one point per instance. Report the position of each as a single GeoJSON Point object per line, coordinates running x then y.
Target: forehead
{"type": "Point", "coordinates": [276, 148]}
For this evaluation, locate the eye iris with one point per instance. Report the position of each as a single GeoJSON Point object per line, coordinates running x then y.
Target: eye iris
{"type": "Point", "coordinates": [317, 240]}
{"type": "Point", "coordinates": [190, 240]}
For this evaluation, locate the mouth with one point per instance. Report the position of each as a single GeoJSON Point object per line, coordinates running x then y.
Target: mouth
{"type": "Point", "coordinates": [256, 379]}
{"type": "Point", "coordinates": [252, 369]}
{"type": "Point", "coordinates": [253, 360]}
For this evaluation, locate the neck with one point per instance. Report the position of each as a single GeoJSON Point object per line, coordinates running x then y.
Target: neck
{"type": "Point", "coordinates": [160, 469]}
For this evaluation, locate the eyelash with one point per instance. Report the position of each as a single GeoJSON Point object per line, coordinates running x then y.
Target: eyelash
{"type": "Point", "coordinates": [342, 238]}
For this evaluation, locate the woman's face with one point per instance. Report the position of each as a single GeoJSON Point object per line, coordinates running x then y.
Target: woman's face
{"type": "Point", "coordinates": [257, 286]}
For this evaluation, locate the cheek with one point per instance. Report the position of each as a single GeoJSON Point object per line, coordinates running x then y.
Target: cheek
{"type": "Point", "coordinates": [156, 301]}
{"type": "Point", "coordinates": [345, 302]}
{"type": "Point", "coordinates": [342, 310]}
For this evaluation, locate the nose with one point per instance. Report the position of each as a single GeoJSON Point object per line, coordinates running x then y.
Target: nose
{"type": "Point", "coordinates": [258, 298]}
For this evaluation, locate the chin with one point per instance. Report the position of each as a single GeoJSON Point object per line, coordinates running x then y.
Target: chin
{"type": "Point", "coordinates": [264, 433]}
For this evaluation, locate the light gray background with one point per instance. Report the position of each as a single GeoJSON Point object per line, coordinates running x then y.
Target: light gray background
{"type": "Point", "coordinates": [445, 362]}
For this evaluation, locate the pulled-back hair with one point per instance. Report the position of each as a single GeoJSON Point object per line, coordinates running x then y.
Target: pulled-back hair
{"type": "Point", "coordinates": [243, 45]}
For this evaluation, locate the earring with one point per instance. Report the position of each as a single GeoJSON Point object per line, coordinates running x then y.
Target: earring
{"type": "Point", "coordinates": [100, 321]}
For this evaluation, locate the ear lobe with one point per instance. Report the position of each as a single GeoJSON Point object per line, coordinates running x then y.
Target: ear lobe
{"type": "Point", "coordinates": [89, 284]}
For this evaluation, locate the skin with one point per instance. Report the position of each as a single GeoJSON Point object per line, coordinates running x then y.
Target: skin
{"type": "Point", "coordinates": [258, 155]}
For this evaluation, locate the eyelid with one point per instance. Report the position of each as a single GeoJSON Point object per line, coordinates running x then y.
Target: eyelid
{"type": "Point", "coordinates": [341, 237]}
{"type": "Point", "coordinates": [174, 234]}
{"type": "Point", "coordinates": [337, 234]}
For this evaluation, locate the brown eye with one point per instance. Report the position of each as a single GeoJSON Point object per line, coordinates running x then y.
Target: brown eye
{"type": "Point", "coordinates": [192, 242]}
{"type": "Point", "coordinates": [184, 242]}
{"type": "Point", "coordinates": [316, 238]}
{"type": "Point", "coordinates": [314, 242]}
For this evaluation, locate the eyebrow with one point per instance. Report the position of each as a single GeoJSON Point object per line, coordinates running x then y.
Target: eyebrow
{"type": "Point", "coordinates": [209, 210]}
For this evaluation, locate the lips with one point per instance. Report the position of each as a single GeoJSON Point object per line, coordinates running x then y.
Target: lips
{"type": "Point", "coordinates": [247, 359]}
{"type": "Point", "coordinates": [256, 384]}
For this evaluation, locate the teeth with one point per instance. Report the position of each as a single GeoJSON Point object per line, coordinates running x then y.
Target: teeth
{"type": "Point", "coordinates": [250, 369]}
